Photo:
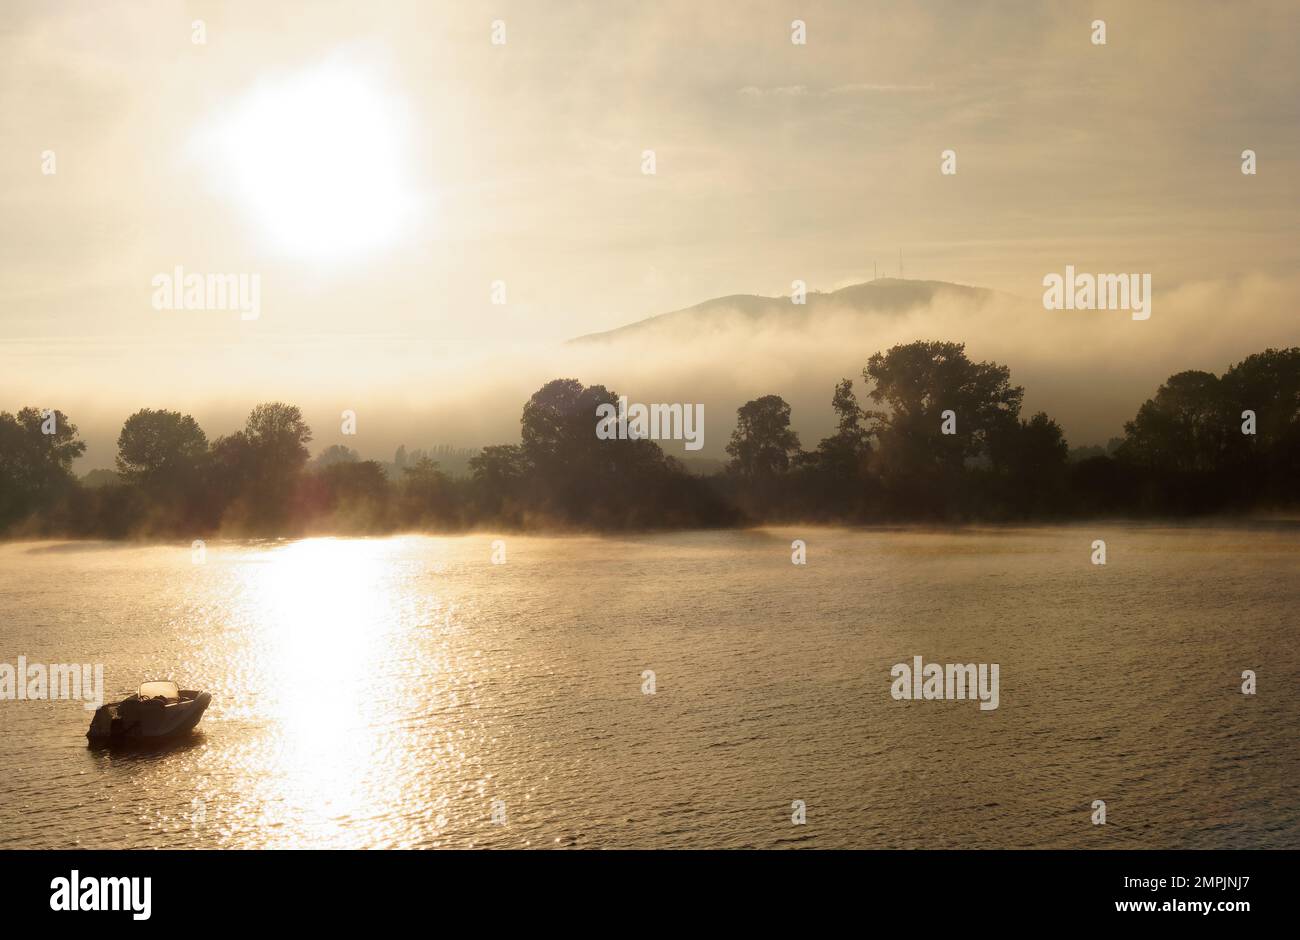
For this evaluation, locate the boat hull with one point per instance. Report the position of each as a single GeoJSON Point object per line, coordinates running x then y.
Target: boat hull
{"type": "Point", "coordinates": [149, 720]}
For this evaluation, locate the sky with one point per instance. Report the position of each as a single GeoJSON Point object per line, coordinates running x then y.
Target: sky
{"type": "Point", "coordinates": [380, 166]}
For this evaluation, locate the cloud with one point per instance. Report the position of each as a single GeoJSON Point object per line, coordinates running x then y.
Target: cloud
{"type": "Point", "coordinates": [783, 91]}
{"type": "Point", "coordinates": [862, 88]}
{"type": "Point", "coordinates": [802, 91]}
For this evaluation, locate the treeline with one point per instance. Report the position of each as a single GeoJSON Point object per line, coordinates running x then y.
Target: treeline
{"type": "Point", "coordinates": [942, 438]}
{"type": "Point", "coordinates": [937, 437]}
{"type": "Point", "coordinates": [259, 481]}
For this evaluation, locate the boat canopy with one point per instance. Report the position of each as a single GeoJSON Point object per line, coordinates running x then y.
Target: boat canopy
{"type": "Point", "coordinates": [166, 689]}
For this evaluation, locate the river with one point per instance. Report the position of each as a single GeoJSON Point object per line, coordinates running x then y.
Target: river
{"type": "Point", "coordinates": [410, 692]}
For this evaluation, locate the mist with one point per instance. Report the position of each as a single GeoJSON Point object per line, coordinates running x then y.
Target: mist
{"type": "Point", "coordinates": [1090, 370]}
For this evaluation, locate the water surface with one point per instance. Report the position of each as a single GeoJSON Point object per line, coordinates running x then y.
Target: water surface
{"type": "Point", "coordinates": [384, 693]}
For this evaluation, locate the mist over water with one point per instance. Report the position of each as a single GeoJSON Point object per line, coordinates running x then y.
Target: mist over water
{"type": "Point", "coordinates": [1090, 370]}
{"type": "Point", "coordinates": [385, 692]}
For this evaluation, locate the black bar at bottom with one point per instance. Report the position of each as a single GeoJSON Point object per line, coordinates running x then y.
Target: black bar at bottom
{"type": "Point", "coordinates": [208, 889]}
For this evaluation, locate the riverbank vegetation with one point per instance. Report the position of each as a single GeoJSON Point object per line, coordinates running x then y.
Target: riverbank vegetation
{"type": "Point", "coordinates": [924, 434]}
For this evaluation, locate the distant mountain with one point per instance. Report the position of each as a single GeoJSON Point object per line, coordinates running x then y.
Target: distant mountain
{"type": "Point", "coordinates": [887, 295]}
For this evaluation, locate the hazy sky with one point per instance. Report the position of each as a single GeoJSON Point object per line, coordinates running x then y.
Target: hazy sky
{"type": "Point", "coordinates": [379, 165]}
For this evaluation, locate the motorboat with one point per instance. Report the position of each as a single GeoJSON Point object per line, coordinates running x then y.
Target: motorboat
{"type": "Point", "coordinates": [157, 710]}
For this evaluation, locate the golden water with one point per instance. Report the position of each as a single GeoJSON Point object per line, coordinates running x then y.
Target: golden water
{"type": "Point", "coordinates": [386, 692]}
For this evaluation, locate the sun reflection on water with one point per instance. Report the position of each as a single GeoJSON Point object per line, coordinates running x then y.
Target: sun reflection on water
{"type": "Point", "coordinates": [334, 632]}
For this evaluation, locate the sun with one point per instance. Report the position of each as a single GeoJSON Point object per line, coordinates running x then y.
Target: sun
{"type": "Point", "coordinates": [317, 159]}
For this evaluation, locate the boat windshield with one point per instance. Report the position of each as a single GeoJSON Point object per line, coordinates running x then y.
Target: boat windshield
{"type": "Point", "coordinates": [154, 689]}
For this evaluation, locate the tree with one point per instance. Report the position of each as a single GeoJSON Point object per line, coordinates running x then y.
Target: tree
{"type": "Point", "coordinates": [278, 435]}
{"type": "Point", "coordinates": [1030, 458]}
{"type": "Point", "coordinates": [1183, 429]}
{"type": "Point", "coordinates": [1268, 384]}
{"type": "Point", "coordinates": [498, 465]}
{"type": "Point", "coordinates": [498, 473]}
{"type": "Point", "coordinates": [161, 451]}
{"type": "Point", "coordinates": [845, 403]}
{"type": "Point", "coordinates": [37, 448]}
{"type": "Point", "coordinates": [1189, 443]}
{"type": "Point", "coordinates": [565, 471]}
{"type": "Point", "coordinates": [558, 427]}
{"type": "Point", "coordinates": [274, 451]}
{"type": "Point", "coordinates": [835, 478]}
{"type": "Point", "coordinates": [423, 472]}
{"type": "Point", "coordinates": [844, 454]}
{"type": "Point", "coordinates": [230, 474]}
{"type": "Point", "coordinates": [919, 381]}
{"type": "Point", "coordinates": [921, 466]}
{"type": "Point", "coordinates": [335, 453]}
{"type": "Point", "coordinates": [357, 494]}
{"type": "Point", "coordinates": [576, 475]}
{"type": "Point", "coordinates": [425, 490]}
{"type": "Point", "coordinates": [762, 444]}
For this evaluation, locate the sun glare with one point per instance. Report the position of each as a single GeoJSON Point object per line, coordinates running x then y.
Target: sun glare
{"type": "Point", "coordinates": [316, 158]}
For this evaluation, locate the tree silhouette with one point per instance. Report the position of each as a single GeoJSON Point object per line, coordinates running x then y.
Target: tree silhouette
{"type": "Point", "coordinates": [357, 495]}
{"type": "Point", "coordinates": [335, 453]}
{"type": "Point", "coordinates": [36, 453]}
{"type": "Point", "coordinates": [836, 479]}
{"type": "Point", "coordinates": [922, 468]}
{"type": "Point", "coordinates": [762, 444]}
{"type": "Point", "coordinates": [498, 475]}
{"type": "Point", "coordinates": [1267, 462]}
{"type": "Point", "coordinates": [426, 492]}
{"type": "Point", "coordinates": [276, 439]}
{"type": "Point", "coordinates": [1183, 429]}
{"type": "Point", "coordinates": [1029, 460]}
{"type": "Point", "coordinates": [1187, 450]}
{"type": "Point", "coordinates": [160, 451]}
